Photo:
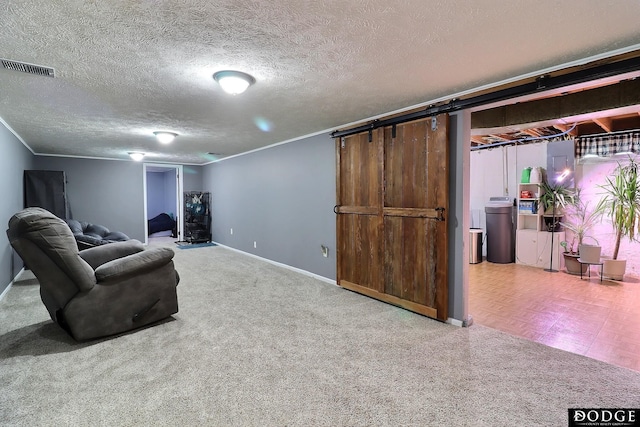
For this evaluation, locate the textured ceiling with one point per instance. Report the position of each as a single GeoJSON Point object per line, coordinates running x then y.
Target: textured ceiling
{"type": "Point", "coordinates": [124, 69]}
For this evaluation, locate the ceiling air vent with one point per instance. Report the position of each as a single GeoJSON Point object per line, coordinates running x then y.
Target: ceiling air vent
{"type": "Point", "coordinates": [27, 68]}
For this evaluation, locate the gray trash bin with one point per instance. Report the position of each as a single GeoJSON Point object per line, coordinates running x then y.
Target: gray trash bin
{"type": "Point", "coordinates": [475, 245]}
{"type": "Point", "coordinates": [500, 235]}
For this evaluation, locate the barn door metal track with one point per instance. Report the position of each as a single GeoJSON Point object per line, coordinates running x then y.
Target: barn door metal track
{"type": "Point", "coordinates": [541, 84]}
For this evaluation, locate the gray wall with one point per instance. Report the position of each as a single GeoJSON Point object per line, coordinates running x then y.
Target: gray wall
{"type": "Point", "coordinates": [459, 183]}
{"type": "Point", "coordinates": [14, 159]}
{"type": "Point", "coordinates": [161, 193]}
{"type": "Point", "coordinates": [282, 198]}
{"type": "Point", "coordinates": [109, 192]}
{"type": "Point", "coordinates": [170, 190]}
{"type": "Point", "coordinates": [105, 192]}
{"type": "Point", "coordinates": [192, 178]}
{"type": "Point", "coordinates": [155, 193]}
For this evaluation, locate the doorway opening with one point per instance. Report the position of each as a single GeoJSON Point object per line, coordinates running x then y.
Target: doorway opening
{"type": "Point", "coordinates": [529, 298]}
{"type": "Point", "coordinates": [163, 204]}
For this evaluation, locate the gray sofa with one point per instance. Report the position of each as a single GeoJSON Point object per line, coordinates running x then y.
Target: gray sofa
{"type": "Point", "coordinates": [96, 292]}
{"type": "Point", "coordinates": [89, 235]}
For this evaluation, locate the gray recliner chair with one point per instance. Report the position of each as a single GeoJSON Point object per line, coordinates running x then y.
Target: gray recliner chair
{"type": "Point", "coordinates": [96, 292]}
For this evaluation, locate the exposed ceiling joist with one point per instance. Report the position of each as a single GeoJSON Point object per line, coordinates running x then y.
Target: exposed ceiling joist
{"type": "Point", "coordinates": [605, 123]}
{"type": "Point", "coordinates": [477, 140]}
{"type": "Point", "coordinates": [601, 109]}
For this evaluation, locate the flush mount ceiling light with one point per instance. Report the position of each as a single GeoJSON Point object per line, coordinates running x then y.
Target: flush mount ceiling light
{"type": "Point", "coordinates": [233, 82]}
{"type": "Point", "coordinates": [135, 155]}
{"type": "Point", "coordinates": [165, 137]}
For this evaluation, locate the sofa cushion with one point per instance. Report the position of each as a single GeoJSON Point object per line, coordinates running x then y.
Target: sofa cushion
{"type": "Point", "coordinates": [94, 234]}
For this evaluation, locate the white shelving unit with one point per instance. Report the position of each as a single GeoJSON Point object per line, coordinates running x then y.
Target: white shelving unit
{"type": "Point", "coordinates": [529, 210]}
{"type": "Point", "coordinates": [533, 242]}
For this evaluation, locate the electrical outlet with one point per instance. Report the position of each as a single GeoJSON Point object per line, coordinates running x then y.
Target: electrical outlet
{"type": "Point", "coordinates": [325, 251]}
{"type": "Point", "coordinates": [231, 232]}
{"type": "Point", "coordinates": [254, 244]}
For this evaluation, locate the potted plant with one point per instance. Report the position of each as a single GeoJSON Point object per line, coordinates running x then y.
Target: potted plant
{"type": "Point", "coordinates": [621, 204]}
{"type": "Point", "coordinates": [571, 264]}
{"type": "Point", "coordinates": [555, 198]}
{"type": "Point", "coordinates": [579, 220]}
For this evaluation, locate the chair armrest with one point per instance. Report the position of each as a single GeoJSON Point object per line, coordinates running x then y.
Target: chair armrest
{"type": "Point", "coordinates": [133, 265]}
{"type": "Point", "coordinates": [99, 255]}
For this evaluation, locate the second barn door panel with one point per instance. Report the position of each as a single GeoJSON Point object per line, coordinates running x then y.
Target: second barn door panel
{"type": "Point", "coordinates": [415, 207]}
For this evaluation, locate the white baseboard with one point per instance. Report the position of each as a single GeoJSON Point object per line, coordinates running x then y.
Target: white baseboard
{"type": "Point", "coordinates": [461, 323]}
{"type": "Point", "coordinates": [10, 284]}
{"type": "Point", "coordinates": [455, 322]}
{"type": "Point", "coordinates": [279, 264]}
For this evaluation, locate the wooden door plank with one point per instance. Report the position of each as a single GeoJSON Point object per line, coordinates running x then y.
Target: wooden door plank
{"type": "Point", "coordinates": [359, 210]}
{"type": "Point", "coordinates": [346, 247]}
{"type": "Point", "coordinates": [339, 228]}
{"type": "Point", "coordinates": [420, 167]}
{"type": "Point", "coordinates": [435, 262]}
{"type": "Point", "coordinates": [353, 148]}
{"type": "Point", "coordinates": [345, 175]}
{"type": "Point", "coordinates": [392, 253]}
{"type": "Point", "coordinates": [406, 262]}
{"type": "Point", "coordinates": [373, 262]}
{"type": "Point", "coordinates": [412, 212]}
{"type": "Point", "coordinates": [393, 168]}
{"type": "Point", "coordinates": [438, 195]}
{"type": "Point", "coordinates": [357, 253]}
{"type": "Point", "coordinates": [391, 299]}
{"type": "Point", "coordinates": [407, 176]}
{"type": "Point", "coordinates": [418, 260]}
{"type": "Point", "coordinates": [369, 174]}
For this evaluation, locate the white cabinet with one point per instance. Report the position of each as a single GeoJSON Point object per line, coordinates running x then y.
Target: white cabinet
{"type": "Point", "coordinates": [534, 248]}
{"type": "Point", "coordinates": [526, 247]}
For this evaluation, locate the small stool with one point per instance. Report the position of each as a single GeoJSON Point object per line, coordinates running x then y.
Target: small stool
{"type": "Point", "coordinates": [589, 264]}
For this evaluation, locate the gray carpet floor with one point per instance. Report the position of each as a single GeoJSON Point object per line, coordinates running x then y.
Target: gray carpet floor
{"type": "Point", "coordinates": [258, 345]}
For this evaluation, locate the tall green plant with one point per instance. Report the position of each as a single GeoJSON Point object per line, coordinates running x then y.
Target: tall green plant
{"type": "Point", "coordinates": [621, 201]}
{"type": "Point", "coordinates": [563, 196]}
{"type": "Point", "coordinates": [579, 219]}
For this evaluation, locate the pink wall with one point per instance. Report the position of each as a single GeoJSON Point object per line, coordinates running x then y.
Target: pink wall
{"type": "Point", "coordinates": [589, 174]}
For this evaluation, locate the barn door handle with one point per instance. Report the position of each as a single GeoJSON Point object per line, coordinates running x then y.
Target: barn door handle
{"type": "Point", "coordinates": [440, 214]}
{"type": "Point", "coordinates": [335, 209]}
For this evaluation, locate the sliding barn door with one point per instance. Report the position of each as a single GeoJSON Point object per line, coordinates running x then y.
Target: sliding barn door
{"type": "Point", "coordinates": [392, 192]}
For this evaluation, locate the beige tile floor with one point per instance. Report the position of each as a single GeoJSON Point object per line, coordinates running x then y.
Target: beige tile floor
{"type": "Point", "coordinates": [597, 319]}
